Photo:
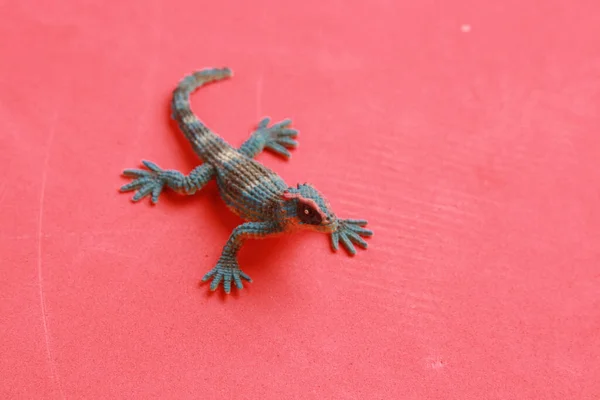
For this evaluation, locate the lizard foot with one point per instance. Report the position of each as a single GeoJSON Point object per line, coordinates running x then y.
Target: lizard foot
{"type": "Point", "coordinates": [227, 269]}
{"type": "Point", "coordinates": [279, 137]}
{"type": "Point", "coordinates": [349, 232]}
{"type": "Point", "coordinates": [151, 181]}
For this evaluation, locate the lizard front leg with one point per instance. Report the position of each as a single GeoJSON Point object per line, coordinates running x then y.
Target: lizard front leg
{"type": "Point", "coordinates": [349, 232]}
{"type": "Point", "coordinates": [278, 138]}
{"type": "Point", "coordinates": [153, 180]}
{"type": "Point", "coordinates": [227, 268]}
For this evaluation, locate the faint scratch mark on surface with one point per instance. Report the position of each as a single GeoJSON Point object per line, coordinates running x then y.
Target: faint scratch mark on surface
{"type": "Point", "coordinates": [259, 90]}
{"type": "Point", "coordinates": [40, 235]}
{"type": "Point", "coordinates": [6, 170]}
{"type": "Point", "coordinates": [2, 191]}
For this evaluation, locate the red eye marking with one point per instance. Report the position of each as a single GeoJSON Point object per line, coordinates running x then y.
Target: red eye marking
{"type": "Point", "coordinates": [309, 202]}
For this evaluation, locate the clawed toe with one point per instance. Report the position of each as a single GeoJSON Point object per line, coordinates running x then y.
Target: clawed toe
{"type": "Point", "coordinates": [226, 275]}
{"type": "Point", "coordinates": [350, 232]}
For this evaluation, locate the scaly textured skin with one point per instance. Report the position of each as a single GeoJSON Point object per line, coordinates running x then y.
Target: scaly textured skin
{"type": "Point", "coordinates": [249, 189]}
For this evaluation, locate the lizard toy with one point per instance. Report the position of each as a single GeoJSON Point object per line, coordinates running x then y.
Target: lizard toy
{"type": "Point", "coordinates": [249, 189]}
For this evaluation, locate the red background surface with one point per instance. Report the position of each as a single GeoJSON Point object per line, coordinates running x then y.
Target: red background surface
{"type": "Point", "coordinates": [474, 153]}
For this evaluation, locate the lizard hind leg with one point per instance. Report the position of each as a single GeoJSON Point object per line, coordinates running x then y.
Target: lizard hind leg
{"type": "Point", "coordinates": [151, 181]}
{"type": "Point", "coordinates": [278, 138]}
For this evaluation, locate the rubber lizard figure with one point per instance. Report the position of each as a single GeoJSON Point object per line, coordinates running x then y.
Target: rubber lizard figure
{"type": "Point", "coordinates": [249, 189]}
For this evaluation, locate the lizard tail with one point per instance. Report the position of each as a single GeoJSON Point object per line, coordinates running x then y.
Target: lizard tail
{"type": "Point", "coordinates": [204, 141]}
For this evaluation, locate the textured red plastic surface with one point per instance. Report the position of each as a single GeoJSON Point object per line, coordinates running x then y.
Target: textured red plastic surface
{"type": "Point", "coordinates": [466, 132]}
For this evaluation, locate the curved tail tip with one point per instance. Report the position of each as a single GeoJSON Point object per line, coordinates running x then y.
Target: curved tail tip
{"type": "Point", "coordinates": [227, 71]}
{"type": "Point", "coordinates": [215, 73]}
{"type": "Point", "coordinates": [224, 72]}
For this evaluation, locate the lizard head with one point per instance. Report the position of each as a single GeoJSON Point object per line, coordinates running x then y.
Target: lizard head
{"type": "Point", "coordinates": [308, 209]}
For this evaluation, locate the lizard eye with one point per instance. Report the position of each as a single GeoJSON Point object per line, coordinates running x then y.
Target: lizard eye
{"type": "Point", "coordinates": [308, 215]}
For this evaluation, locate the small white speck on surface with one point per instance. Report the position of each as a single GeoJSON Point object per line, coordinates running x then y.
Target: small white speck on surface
{"type": "Point", "coordinates": [434, 362]}
{"type": "Point", "coordinates": [465, 28]}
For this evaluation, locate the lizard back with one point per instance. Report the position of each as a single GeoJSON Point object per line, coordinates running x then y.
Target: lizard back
{"type": "Point", "coordinates": [249, 189]}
